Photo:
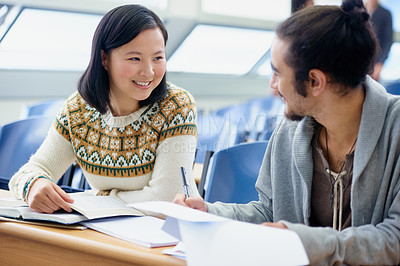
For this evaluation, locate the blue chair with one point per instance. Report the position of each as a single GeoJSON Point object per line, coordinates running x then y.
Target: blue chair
{"type": "Point", "coordinates": [232, 173]}
{"type": "Point", "coordinates": [45, 108]}
{"type": "Point", "coordinates": [393, 88]}
{"type": "Point", "coordinates": [18, 141]}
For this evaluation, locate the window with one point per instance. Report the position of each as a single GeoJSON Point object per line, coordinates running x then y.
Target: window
{"type": "Point", "coordinates": [391, 68]}
{"type": "Point", "coordinates": [257, 9]}
{"type": "Point", "coordinates": [265, 68]}
{"type": "Point", "coordinates": [48, 40]}
{"type": "Point", "coordinates": [220, 50]}
{"type": "Point", "coordinates": [394, 7]}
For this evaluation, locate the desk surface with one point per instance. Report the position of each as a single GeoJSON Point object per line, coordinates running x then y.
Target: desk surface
{"type": "Point", "coordinates": [41, 245]}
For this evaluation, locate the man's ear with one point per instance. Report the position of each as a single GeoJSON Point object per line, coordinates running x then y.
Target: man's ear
{"type": "Point", "coordinates": [318, 81]}
{"type": "Point", "coordinates": [104, 60]}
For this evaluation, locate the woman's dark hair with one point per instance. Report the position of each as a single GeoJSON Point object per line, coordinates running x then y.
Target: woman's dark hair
{"type": "Point", "coordinates": [339, 41]}
{"type": "Point", "coordinates": [118, 27]}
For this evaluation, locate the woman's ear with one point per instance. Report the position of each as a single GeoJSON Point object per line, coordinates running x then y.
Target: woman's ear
{"type": "Point", "coordinates": [104, 60]}
{"type": "Point", "coordinates": [318, 81]}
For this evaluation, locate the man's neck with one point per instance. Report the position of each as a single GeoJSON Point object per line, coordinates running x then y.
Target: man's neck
{"type": "Point", "coordinates": [341, 116]}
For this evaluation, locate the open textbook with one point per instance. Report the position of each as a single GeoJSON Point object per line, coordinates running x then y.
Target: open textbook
{"type": "Point", "coordinates": [105, 214]}
{"type": "Point", "coordinates": [85, 206]}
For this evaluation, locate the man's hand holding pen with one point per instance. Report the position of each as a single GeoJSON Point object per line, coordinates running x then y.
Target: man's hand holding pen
{"type": "Point", "coordinates": [191, 202]}
{"type": "Point", "coordinates": [185, 199]}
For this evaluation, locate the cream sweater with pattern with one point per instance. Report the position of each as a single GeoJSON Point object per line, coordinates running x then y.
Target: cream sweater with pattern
{"type": "Point", "coordinates": [134, 158]}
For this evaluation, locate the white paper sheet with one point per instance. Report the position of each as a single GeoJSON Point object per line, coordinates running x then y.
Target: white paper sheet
{"type": "Point", "coordinates": [238, 243]}
{"type": "Point", "coordinates": [212, 240]}
{"type": "Point", "coordinates": [176, 211]}
{"type": "Point", "coordinates": [145, 230]}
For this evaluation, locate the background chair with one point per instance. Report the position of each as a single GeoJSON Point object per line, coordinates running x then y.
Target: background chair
{"type": "Point", "coordinates": [44, 108]}
{"type": "Point", "coordinates": [232, 173]}
{"type": "Point", "coordinates": [393, 88]}
{"type": "Point", "coordinates": [19, 140]}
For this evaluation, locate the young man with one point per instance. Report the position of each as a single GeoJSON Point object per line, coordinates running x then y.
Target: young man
{"type": "Point", "coordinates": [331, 170]}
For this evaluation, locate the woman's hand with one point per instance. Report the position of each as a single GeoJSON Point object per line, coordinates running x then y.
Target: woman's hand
{"type": "Point", "coordinates": [46, 196]}
{"type": "Point", "coordinates": [191, 202]}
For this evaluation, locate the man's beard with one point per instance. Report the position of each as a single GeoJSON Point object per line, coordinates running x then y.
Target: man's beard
{"type": "Point", "coordinates": [294, 117]}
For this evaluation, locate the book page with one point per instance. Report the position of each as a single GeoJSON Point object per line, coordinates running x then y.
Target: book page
{"type": "Point", "coordinates": [27, 213]}
{"type": "Point", "coordinates": [45, 223]}
{"type": "Point", "coordinates": [101, 206]}
{"type": "Point", "coordinates": [60, 216]}
{"type": "Point", "coordinates": [11, 212]}
{"type": "Point", "coordinates": [12, 202]}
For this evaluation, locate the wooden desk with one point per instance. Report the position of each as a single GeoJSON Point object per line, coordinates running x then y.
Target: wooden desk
{"type": "Point", "coordinates": [24, 244]}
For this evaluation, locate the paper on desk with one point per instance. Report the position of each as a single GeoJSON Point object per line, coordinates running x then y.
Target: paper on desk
{"type": "Point", "coordinates": [239, 243]}
{"type": "Point", "coordinates": [145, 231]}
{"type": "Point", "coordinates": [176, 211]}
{"type": "Point", "coordinates": [213, 240]}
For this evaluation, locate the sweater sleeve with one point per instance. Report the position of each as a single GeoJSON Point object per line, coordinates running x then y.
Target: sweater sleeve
{"type": "Point", "coordinates": [50, 161]}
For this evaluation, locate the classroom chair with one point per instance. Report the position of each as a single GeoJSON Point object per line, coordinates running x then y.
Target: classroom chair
{"type": "Point", "coordinates": [229, 175]}
{"type": "Point", "coordinates": [19, 140]}
{"type": "Point", "coordinates": [393, 88]}
{"type": "Point", "coordinates": [44, 108]}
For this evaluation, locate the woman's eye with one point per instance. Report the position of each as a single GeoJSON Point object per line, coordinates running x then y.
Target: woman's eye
{"type": "Point", "coordinates": [134, 59]}
{"type": "Point", "coordinates": [158, 58]}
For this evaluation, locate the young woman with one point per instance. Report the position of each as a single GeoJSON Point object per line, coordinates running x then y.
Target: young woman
{"type": "Point", "coordinates": [129, 130]}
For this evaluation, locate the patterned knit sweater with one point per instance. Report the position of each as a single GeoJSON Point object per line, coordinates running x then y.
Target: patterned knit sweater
{"type": "Point", "coordinates": [135, 157]}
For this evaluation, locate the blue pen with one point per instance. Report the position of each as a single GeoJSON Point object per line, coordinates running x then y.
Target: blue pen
{"type": "Point", "coordinates": [185, 184]}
